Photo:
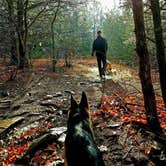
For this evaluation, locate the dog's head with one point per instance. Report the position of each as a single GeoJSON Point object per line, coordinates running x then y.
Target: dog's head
{"type": "Point", "coordinates": [79, 112]}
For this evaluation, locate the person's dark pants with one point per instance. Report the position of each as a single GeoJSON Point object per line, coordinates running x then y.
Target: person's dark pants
{"type": "Point", "coordinates": [102, 63]}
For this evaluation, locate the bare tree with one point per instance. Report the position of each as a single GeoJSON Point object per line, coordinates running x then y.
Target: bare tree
{"type": "Point", "coordinates": [21, 32]}
{"type": "Point", "coordinates": [160, 52]}
{"type": "Point", "coordinates": [13, 47]}
{"type": "Point", "coordinates": [144, 67]}
{"type": "Point", "coordinates": [53, 36]}
{"type": "Point", "coordinates": [22, 17]}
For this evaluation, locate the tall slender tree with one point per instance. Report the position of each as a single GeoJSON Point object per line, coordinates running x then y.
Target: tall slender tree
{"type": "Point", "coordinates": [160, 52]}
{"type": "Point", "coordinates": [144, 67]}
{"type": "Point", "coordinates": [21, 33]}
{"type": "Point", "coordinates": [54, 59]}
{"type": "Point", "coordinates": [13, 46]}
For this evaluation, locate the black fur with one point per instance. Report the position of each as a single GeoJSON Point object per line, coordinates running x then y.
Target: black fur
{"type": "Point", "coordinates": [80, 147]}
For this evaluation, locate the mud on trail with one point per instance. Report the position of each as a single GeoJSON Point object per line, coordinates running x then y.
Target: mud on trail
{"type": "Point", "coordinates": [33, 115]}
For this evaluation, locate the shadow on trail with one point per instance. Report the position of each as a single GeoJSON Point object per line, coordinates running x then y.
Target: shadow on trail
{"type": "Point", "coordinates": [110, 84]}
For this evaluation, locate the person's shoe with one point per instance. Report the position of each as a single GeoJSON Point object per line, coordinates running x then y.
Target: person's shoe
{"type": "Point", "coordinates": [102, 78]}
{"type": "Point", "coordinates": [103, 73]}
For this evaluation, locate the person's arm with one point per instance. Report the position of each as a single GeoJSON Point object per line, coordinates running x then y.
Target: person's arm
{"type": "Point", "coordinates": [106, 46]}
{"type": "Point", "coordinates": [93, 48]}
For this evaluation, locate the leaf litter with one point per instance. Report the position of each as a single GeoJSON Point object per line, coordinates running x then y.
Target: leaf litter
{"type": "Point", "coordinates": [119, 121]}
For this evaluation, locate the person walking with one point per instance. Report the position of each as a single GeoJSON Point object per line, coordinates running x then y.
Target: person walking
{"type": "Point", "coordinates": [99, 48]}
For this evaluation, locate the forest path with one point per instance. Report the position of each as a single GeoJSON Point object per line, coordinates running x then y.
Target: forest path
{"type": "Point", "coordinates": [42, 106]}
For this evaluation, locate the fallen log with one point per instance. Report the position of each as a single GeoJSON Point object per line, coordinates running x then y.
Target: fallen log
{"type": "Point", "coordinates": [5, 104]}
{"type": "Point", "coordinates": [7, 125]}
{"type": "Point", "coordinates": [41, 143]}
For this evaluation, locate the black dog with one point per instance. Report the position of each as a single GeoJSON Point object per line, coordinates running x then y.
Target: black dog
{"type": "Point", "coordinates": [80, 147]}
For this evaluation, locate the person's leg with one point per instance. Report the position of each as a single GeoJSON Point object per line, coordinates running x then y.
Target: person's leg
{"type": "Point", "coordinates": [99, 64]}
{"type": "Point", "coordinates": [104, 61]}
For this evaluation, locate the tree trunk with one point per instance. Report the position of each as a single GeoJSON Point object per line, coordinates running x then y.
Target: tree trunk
{"type": "Point", "coordinates": [22, 31]}
{"type": "Point", "coordinates": [155, 7]}
{"type": "Point", "coordinates": [144, 67]}
{"type": "Point", "coordinates": [53, 47]}
{"type": "Point", "coordinates": [13, 49]}
{"type": "Point", "coordinates": [54, 59]}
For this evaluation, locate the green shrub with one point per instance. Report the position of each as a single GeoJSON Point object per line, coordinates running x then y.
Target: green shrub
{"type": "Point", "coordinates": [37, 54]}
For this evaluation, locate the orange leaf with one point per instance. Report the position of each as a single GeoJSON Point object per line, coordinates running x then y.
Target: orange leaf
{"type": "Point", "coordinates": [131, 132]}
{"type": "Point", "coordinates": [137, 139]}
{"type": "Point", "coordinates": [148, 150]}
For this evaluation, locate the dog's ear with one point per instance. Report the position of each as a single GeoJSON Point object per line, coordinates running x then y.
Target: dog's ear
{"type": "Point", "coordinates": [84, 101]}
{"type": "Point", "coordinates": [73, 103]}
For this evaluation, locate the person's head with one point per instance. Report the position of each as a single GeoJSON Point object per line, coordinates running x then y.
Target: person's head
{"type": "Point", "coordinates": [99, 33]}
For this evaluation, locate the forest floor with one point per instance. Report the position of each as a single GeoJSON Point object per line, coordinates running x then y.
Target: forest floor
{"type": "Point", "coordinates": [34, 106]}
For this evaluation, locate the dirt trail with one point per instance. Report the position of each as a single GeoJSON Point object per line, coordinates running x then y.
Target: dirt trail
{"type": "Point", "coordinates": [42, 101]}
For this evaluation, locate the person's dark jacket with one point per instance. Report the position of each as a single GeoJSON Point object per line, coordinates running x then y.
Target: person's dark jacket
{"type": "Point", "coordinates": [99, 45]}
